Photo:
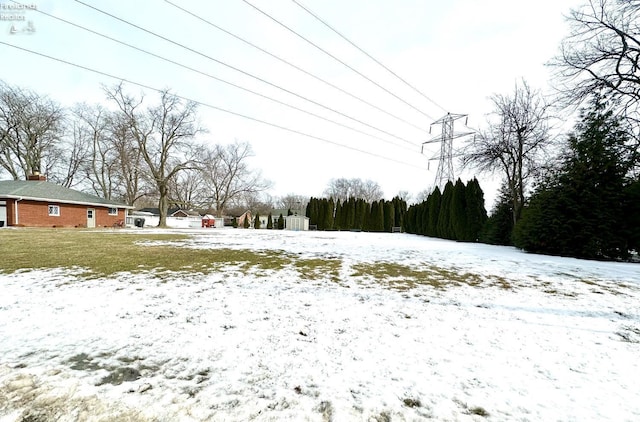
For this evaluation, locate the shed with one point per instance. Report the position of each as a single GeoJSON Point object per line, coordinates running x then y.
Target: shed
{"type": "Point", "coordinates": [208, 221]}
{"type": "Point", "coordinates": [296, 222]}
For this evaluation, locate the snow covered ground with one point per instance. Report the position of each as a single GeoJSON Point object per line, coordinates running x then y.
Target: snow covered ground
{"type": "Point", "coordinates": [534, 338]}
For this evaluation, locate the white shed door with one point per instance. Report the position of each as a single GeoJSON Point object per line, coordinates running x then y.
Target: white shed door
{"type": "Point", "coordinates": [91, 218]}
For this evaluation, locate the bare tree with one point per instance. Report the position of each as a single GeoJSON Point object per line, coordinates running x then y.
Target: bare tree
{"type": "Point", "coordinates": [404, 195]}
{"type": "Point", "coordinates": [601, 55]}
{"type": "Point", "coordinates": [188, 189]}
{"type": "Point", "coordinates": [293, 202]}
{"type": "Point", "coordinates": [423, 195]}
{"type": "Point", "coordinates": [343, 189]}
{"type": "Point", "coordinates": [31, 127]}
{"type": "Point", "coordinates": [90, 130]}
{"type": "Point", "coordinates": [228, 176]}
{"type": "Point", "coordinates": [132, 180]}
{"type": "Point", "coordinates": [164, 135]}
{"type": "Point", "coordinates": [256, 202]}
{"type": "Point", "coordinates": [75, 151]}
{"type": "Point", "coordinates": [514, 142]}
{"type": "Point", "coordinates": [601, 52]}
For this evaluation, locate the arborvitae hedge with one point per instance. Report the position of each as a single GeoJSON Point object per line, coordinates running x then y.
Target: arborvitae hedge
{"type": "Point", "coordinates": [356, 214]}
{"type": "Point", "coordinates": [456, 214]}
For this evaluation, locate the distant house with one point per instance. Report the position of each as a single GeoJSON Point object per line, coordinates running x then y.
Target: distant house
{"type": "Point", "coordinates": [38, 203]}
{"type": "Point", "coordinates": [245, 216]}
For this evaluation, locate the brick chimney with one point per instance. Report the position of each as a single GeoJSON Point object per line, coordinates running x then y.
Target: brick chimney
{"type": "Point", "coordinates": [37, 177]}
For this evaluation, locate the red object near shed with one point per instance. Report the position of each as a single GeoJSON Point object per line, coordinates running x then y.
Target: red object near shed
{"type": "Point", "coordinates": [208, 221]}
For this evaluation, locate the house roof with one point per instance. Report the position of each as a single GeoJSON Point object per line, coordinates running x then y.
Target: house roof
{"type": "Point", "coordinates": [47, 191]}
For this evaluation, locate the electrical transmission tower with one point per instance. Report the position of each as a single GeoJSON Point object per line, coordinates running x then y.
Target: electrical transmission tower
{"type": "Point", "coordinates": [447, 135]}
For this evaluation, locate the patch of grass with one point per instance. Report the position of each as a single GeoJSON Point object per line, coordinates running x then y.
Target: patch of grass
{"type": "Point", "coordinates": [30, 400]}
{"type": "Point", "coordinates": [107, 252]}
{"type": "Point", "coordinates": [401, 277]}
{"type": "Point", "coordinates": [480, 411]}
{"type": "Point", "coordinates": [119, 375]}
{"type": "Point", "coordinates": [384, 416]}
{"type": "Point", "coordinates": [318, 268]}
{"type": "Point", "coordinates": [83, 362]}
{"type": "Point", "coordinates": [404, 277]}
{"type": "Point", "coordinates": [326, 409]}
{"type": "Point", "coordinates": [410, 402]}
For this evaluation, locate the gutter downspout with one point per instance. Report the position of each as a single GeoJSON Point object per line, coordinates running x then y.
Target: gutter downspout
{"type": "Point", "coordinates": [15, 205]}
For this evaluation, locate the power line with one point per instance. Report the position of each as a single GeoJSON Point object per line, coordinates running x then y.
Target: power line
{"type": "Point", "coordinates": [337, 59]}
{"type": "Point", "coordinates": [368, 55]}
{"type": "Point", "coordinates": [294, 66]}
{"type": "Point", "coordinates": [243, 72]}
{"type": "Point", "coordinates": [219, 79]}
{"type": "Point", "coordinates": [319, 138]}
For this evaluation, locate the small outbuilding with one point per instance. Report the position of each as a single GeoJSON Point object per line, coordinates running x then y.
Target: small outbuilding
{"type": "Point", "coordinates": [208, 221]}
{"type": "Point", "coordinates": [296, 222]}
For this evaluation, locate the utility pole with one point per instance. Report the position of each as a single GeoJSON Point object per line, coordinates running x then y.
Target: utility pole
{"type": "Point", "coordinates": [445, 159]}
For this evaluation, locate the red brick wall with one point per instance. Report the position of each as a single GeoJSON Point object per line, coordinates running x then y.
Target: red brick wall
{"type": "Point", "coordinates": [36, 214]}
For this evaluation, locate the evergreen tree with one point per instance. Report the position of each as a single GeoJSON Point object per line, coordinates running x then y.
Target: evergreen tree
{"type": "Point", "coordinates": [409, 220]}
{"type": "Point", "coordinates": [350, 214]}
{"type": "Point", "coordinates": [631, 210]}
{"type": "Point", "coordinates": [307, 210]}
{"type": "Point", "coordinates": [256, 221]}
{"type": "Point", "coordinates": [377, 216]}
{"type": "Point", "coordinates": [312, 211]}
{"type": "Point", "coordinates": [269, 222]}
{"type": "Point", "coordinates": [476, 212]}
{"type": "Point", "coordinates": [366, 216]}
{"type": "Point", "coordinates": [329, 209]}
{"type": "Point", "coordinates": [579, 212]}
{"type": "Point", "coordinates": [234, 223]}
{"type": "Point", "coordinates": [498, 228]}
{"type": "Point", "coordinates": [321, 218]}
{"type": "Point", "coordinates": [246, 222]}
{"type": "Point", "coordinates": [280, 222]}
{"type": "Point", "coordinates": [423, 217]}
{"type": "Point", "coordinates": [338, 220]}
{"type": "Point", "coordinates": [389, 216]}
{"type": "Point", "coordinates": [373, 214]}
{"type": "Point", "coordinates": [434, 203]}
{"type": "Point", "coordinates": [444, 217]}
{"type": "Point", "coordinates": [458, 212]}
{"type": "Point", "coordinates": [358, 217]}
{"type": "Point", "coordinates": [400, 209]}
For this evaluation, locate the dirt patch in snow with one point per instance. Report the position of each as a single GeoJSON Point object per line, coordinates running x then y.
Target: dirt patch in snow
{"type": "Point", "coordinates": [24, 398]}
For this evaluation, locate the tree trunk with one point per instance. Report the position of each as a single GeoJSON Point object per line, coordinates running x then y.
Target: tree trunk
{"type": "Point", "coordinates": [163, 205]}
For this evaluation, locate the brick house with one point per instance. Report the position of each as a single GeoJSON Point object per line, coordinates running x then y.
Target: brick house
{"type": "Point", "coordinates": [38, 203]}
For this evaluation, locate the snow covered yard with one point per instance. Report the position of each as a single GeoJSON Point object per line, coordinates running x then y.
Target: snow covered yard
{"type": "Point", "coordinates": [382, 327]}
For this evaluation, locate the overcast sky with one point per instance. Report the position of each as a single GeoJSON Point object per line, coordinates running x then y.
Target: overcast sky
{"type": "Point", "coordinates": [457, 53]}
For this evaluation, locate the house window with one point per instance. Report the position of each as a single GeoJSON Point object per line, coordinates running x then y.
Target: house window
{"type": "Point", "coordinates": [113, 211]}
{"type": "Point", "coordinates": [54, 210]}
